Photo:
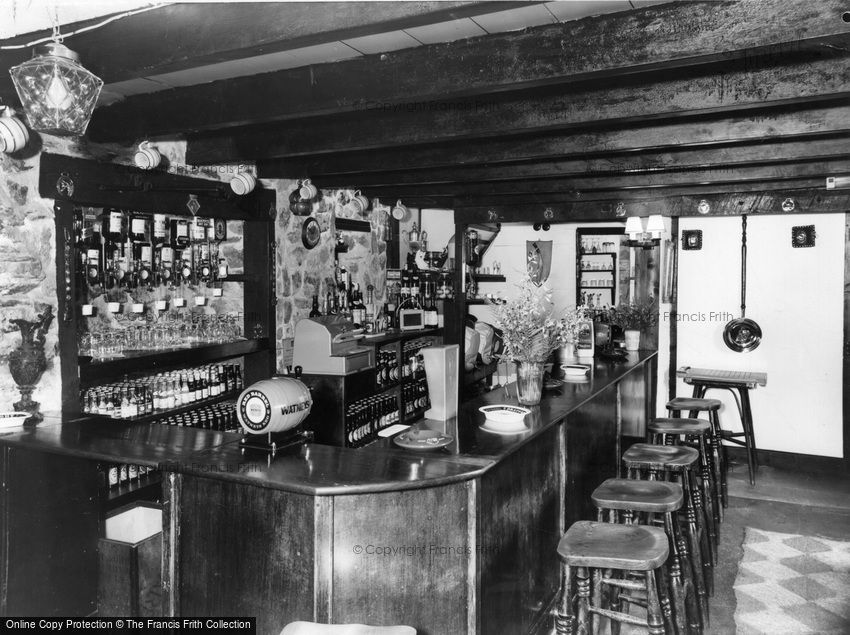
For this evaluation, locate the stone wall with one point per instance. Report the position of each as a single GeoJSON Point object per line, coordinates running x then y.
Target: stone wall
{"type": "Point", "coordinates": [302, 273]}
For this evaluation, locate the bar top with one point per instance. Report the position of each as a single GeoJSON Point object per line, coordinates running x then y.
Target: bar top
{"type": "Point", "coordinates": [320, 469]}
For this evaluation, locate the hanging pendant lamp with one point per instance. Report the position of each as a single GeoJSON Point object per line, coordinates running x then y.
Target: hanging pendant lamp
{"type": "Point", "coordinates": [58, 94]}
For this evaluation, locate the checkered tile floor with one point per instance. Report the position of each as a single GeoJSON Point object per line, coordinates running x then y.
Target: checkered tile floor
{"type": "Point", "coordinates": [789, 584]}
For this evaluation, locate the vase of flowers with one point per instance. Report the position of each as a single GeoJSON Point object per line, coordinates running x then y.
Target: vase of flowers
{"type": "Point", "coordinates": [530, 332]}
{"type": "Point", "coordinates": [633, 319]}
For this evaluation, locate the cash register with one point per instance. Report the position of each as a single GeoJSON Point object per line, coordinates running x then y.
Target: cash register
{"type": "Point", "coordinates": [328, 345]}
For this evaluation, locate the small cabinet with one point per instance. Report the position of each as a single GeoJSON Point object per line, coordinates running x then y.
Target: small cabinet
{"type": "Point", "coordinates": [598, 266]}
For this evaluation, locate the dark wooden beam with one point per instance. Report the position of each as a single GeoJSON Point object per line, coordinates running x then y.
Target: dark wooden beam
{"type": "Point", "coordinates": [727, 157]}
{"type": "Point", "coordinates": [614, 146]}
{"type": "Point", "coordinates": [640, 194]}
{"type": "Point", "coordinates": [184, 35]}
{"type": "Point", "coordinates": [716, 175]}
{"type": "Point", "coordinates": [667, 37]}
{"type": "Point", "coordinates": [727, 204]}
{"type": "Point", "coordinates": [716, 93]}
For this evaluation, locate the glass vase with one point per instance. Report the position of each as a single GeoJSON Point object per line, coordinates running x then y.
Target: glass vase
{"type": "Point", "coordinates": [529, 382]}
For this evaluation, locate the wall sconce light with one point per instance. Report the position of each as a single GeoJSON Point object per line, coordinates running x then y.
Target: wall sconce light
{"type": "Point", "coordinates": [13, 133]}
{"type": "Point", "coordinates": [58, 94]}
{"type": "Point", "coordinates": [644, 238]}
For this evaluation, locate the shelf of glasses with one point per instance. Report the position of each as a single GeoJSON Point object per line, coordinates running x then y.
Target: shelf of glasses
{"type": "Point", "coordinates": [148, 486]}
{"type": "Point", "coordinates": [133, 361]}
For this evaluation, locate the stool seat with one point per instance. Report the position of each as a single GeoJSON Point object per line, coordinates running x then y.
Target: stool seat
{"type": "Point", "coordinates": [609, 546]}
{"type": "Point", "coordinates": [314, 628]}
{"type": "Point", "coordinates": [660, 457]}
{"type": "Point", "coordinates": [693, 403]}
{"type": "Point", "coordinates": [635, 495]}
{"type": "Point", "coordinates": [672, 425]}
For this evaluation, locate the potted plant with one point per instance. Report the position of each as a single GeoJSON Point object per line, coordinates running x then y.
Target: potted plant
{"type": "Point", "coordinates": [530, 332]}
{"type": "Point", "coordinates": [633, 318]}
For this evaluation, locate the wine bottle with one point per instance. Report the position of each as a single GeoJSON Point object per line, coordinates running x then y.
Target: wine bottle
{"type": "Point", "coordinates": [314, 312]}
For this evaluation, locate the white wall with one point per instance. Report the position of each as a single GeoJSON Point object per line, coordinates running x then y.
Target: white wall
{"type": "Point", "coordinates": [796, 296]}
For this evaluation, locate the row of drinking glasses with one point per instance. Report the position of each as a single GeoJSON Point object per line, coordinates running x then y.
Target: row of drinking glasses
{"type": "Point", "coordinates": [160, 335]}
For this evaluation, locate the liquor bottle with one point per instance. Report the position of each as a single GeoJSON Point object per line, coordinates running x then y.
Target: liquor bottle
{"type": "Point", "coordinates": [186, 272]}
{"type": "Point", "coordinates": [138, 228]}
{"type": "Point", "coordinates": [114, 225]}
{"type": "Point", "coordinates": [330, 309]}
{"type": "Point", "coordinates": [143, 257]}
{"type": "Point", "coordinates": [159, 237]}
{"type": "Point", "coordinates": [314, 312]}
{"type": "Point", "coordinates": [204, 263]}
{"type": "Point", "coordinates": [358, 309]}
{"type": "Point", "coordinates": [165, 267]}
{"type": "Point", "coordinates": [92, 245]}
{"type": "Point", "coordinates": [179, 233]}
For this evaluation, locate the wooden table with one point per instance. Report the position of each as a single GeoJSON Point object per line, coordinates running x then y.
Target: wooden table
{"type": "Point", "coordinates": [739, 383]}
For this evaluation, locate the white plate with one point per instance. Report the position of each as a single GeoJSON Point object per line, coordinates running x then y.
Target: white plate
{"type": "Point", "coordinates": [504, 429]}
{"type": "Point", "coordinates": [12, 419]}
{"type": "Point", "coordinates": [504, 413]}
{"type": "Point", "coordinates": [575, 370]}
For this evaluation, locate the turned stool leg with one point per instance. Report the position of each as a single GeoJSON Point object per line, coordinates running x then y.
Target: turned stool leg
{"type": "Point", "coordinates": [697, 535]}
{"type": "Point", "coordinates": [708, 493]}
{"type": "Point", "coordinates": [719, 455]}
{"type": "Point", "coordinates": [653, 607]}
{"type": "Point", "coordinates": [585, 625]}
{"type": "Point", "coordinates": [564, 619]}
{"type": "Point", "coordinates": [682, 563]}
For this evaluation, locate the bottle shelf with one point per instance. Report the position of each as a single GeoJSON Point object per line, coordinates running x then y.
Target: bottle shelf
{"type": "Point", "coordinates": [598, 286]}
{"type": "Point", "coordinates": [153, 417]}
{"type": "Point", "coordinates": [173, 358]}
{"type": "Point", "coordinates": [598, 253]}
{"type": "Point", "coordinates": [489, 277]}
{"type": "Point", "coordinates": [148, 486]}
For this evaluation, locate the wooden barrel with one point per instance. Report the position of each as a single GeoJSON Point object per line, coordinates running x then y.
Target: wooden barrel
{"type": "Point", "coordinates": [273, 405]}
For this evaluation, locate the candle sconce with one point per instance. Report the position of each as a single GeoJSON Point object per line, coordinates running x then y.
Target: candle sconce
{"type": "Point", "coordinates": [644, 238]}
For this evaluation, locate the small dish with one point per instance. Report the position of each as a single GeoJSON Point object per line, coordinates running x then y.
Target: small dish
{"type": "Point", "coordinates": [422, 440]}
{"type": "Point", "coordinates": [504, 413]}
{"type": "Point", "coordinates": [574, 370]}
{"type": "Point", "coordinates": [12, 419]}
{"type": "Point", "coordinates": [503, 429]}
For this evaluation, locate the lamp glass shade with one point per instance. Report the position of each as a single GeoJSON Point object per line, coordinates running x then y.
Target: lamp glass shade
{"type": "Point", "coordinates": [655, 225]}
{"type": "Point", "coordinates": [634, 227]}
{"type": "Point", "coordinates": [57, 93]}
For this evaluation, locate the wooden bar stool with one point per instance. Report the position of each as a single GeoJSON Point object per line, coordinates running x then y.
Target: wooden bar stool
{"type": "Point", "coordinates": [670, 461]}
{"type": "Point", "coordinates": [718, 454]}
{"type": "Point", "coordinates": [595, 552]}
{"type": "Point", "coordinates": [633, 501]}
{"type": "Point", "coordinates": [694, 432]}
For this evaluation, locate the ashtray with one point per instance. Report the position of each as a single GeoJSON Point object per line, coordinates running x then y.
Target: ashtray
{"type": "Point", "coordinates": [12, 419]}
{"type": "Point", "coordinates": [504, 414]}
{"type": "Point", "coordinates": [575, 370]}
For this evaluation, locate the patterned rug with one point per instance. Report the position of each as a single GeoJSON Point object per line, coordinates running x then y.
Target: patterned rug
{"type": "Point", "coordinates": [789, 584]}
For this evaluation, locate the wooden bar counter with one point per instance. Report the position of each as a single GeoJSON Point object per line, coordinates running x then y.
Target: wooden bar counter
{"type": "Point", "coordinates": [456, 540]}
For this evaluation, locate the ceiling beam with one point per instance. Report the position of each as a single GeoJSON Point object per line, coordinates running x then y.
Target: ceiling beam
{"type": "Point", "coordinates": [674, 160]}
{"type": "Point", "coordinates": [715, 175]}
{"type": "Point", "coordinates": [660, 37]}
{"type": "Point", "coordinates": [180, 36]}
{"type": "Point", "coordinates": [723, 204]}
{"type": "Point", "coordinates": [618, 103]}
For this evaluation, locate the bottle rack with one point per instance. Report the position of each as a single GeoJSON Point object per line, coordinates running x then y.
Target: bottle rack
{"type": "Point", "coordinates": [77, 183]}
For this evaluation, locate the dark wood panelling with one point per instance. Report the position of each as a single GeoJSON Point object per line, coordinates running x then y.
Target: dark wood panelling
{"type": "Point", "coordinates": [245, 550]}
{"type": "Point", "coordinates": [673, 348]}
{"type": "Point", "coordinates": [592, 433]}
{"type": "Point", "coordinates": [667, 37]}
{"type": "Point", "coordinates": [518, 533]}
{"type": "Point", "coordinates": [101, 183]}
{"type": "Point", "coordinates": [50, 525]}
{"type": "Point", "coordinates": [420, 578]}
{"type": "Point", "coordinates": [724, 204]}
